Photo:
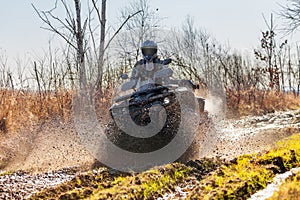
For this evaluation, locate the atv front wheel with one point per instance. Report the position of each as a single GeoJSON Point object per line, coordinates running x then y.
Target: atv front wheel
{"type": "Point", "coordinates": [144, 145]}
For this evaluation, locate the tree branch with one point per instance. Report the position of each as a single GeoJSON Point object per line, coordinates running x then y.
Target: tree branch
{"type": "Point", "coordinates": [43, 16]}
{"type": "Point", "coordinates": [119, 29]}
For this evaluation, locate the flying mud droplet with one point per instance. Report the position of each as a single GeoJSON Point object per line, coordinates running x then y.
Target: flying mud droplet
{"type": "Point", "coordinates": [153, 125]}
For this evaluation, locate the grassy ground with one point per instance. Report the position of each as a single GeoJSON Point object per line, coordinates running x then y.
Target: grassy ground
{"type": "Point", "coordinates": [235, 179]}
{"type": "Point", "coordinates": [249, 173]}
{"type": "Point", "coordinates": [102, 184]}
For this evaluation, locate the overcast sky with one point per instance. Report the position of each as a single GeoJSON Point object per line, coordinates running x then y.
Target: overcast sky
{"type": "Point", "coordinates": [235, 22]}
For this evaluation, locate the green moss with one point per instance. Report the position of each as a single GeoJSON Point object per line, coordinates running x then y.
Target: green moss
{"type": "Point", "coordinates": [147, 185]}
{"type": "Point", "coordinates": [285, 155]}
{"type": "Point", "coordinates": [79, 187]}
{"type": "Point", "coordinates": [156, 186]}
{"type": "Point", "coordinates": [247, 174]}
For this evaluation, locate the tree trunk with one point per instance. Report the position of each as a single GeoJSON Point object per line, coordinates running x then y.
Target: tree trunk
{"type": "Point", "coordinates": [80, 48]}
{"type": "Point", "coordinates": [101, 48]}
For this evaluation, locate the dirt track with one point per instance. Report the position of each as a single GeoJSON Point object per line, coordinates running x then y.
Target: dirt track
{"type": "Point", "coordinates": [56, 146]}
{"type": "Point", "coordinates": [250, 134]}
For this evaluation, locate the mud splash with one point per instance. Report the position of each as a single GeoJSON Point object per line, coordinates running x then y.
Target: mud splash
{"type": "Point", "coordinates": [231, 138]}
{"type": "Point", "coordinates": [50, 146]}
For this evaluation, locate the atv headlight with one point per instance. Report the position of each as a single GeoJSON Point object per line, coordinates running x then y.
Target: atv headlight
{"type": "Point", "coordinates": [166, 100]}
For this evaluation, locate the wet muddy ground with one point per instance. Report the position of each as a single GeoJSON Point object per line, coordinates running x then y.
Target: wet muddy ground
{"type": "Point", "coordinates": [46, 154]}
{"type": "Point", "coordinates": [231, 138]}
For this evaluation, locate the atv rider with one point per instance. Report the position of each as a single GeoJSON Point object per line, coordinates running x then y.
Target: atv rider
{"type": "Point", "coordinates": [144, 70]}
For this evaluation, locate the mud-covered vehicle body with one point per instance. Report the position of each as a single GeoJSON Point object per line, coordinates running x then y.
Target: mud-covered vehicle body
{"type": "Point", "coordinates": [144, 102]}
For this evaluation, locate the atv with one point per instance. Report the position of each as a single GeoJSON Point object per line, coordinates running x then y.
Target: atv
{"type": "Point", "coordinates": [154, 99]}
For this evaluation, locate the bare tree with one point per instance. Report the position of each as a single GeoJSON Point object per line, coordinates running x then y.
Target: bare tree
{"type": "Point", "coordinates": [72, 31]}
{"type": "Point", "coordinates": [196, 54]}
{"type": "Point", "coordinates": [100, 60]}
{"type": "Point", "coordinates": [269, 55]}
{"type": "Point", "coordinates": [4, 71]}
{"type": "Point", "coordinates": [79, 33]}
{"type": "Point", "coordinates": [298, 64]}
{"type": "Point", "coordinates": [144, 25]}
{"type": "Point", "coordinates": [291, 14]}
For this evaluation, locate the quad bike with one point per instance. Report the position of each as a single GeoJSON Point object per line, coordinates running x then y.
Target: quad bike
{"type": "Point", "coordinates": [137, 105]}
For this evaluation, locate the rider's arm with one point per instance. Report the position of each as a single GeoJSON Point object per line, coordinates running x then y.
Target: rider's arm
{"type": "Point", "coordinates": [135, 70]}
{"type": "Point", "coordinates": [134, 73]}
